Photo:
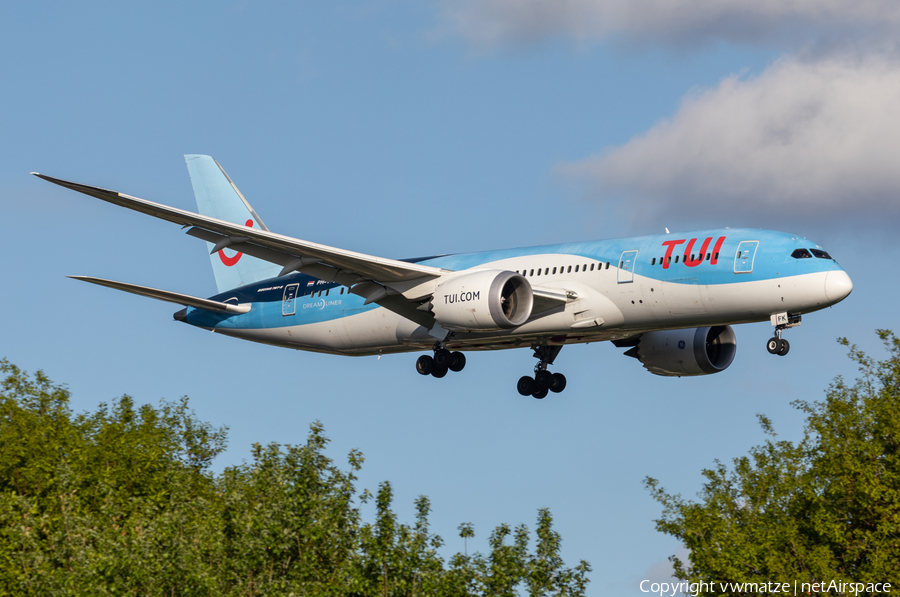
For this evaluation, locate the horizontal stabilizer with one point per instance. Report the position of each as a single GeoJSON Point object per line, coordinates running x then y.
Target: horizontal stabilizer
{"type": "Point", "coordinates": [171, 297]}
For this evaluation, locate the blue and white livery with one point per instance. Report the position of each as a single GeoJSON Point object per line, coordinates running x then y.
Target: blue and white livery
{"type": "Point", "coordinates": [670, 299]}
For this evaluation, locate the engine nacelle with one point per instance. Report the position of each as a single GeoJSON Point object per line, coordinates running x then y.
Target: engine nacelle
{"type": "Point", "coordinates": [480, 301]}
{"type": "Point", "coordinates": [693, 351]}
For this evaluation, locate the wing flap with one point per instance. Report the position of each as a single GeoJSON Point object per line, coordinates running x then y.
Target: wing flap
{"type": "Point", "coordinates": [165, 295]}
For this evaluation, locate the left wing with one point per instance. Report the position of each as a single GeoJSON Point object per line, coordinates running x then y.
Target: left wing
{"type": "Point", "coordinates": [375, 278]}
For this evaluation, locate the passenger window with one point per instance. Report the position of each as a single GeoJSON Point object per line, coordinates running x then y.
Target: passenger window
{"type": "Point", "coordinates": [653, 261]}
{"type": "Point", "coordinates": [532, 273]}
{"type": "Point", "coordinates": [707, 256]}
{"type": "Point", "coordinates": [342, 290]}
{"type": "Point", "coordinates": [576, 269]}
{"type": "Point", "coordinates": [592, 267]}
{"type": "Point", "coordinates": [820, 254]}
{"type": "Point", "coordinates": [801, 254]}
{"type": "Point", "coordinates": [554, 270]}
{"type": "Point", "coordinates": [539, 271]}
{"type": "Point", "coordinates": [607, 265]}
{"type": "Point", "coordinates": [676, 259]}
{"type": "Point", "coordinates": [717, 255]}
{"type": "Point", "coordinates": [570, 270]}
{"type": "Point", "coordinates": [546, 271]}
{"type": "Point", "coordinates": [326, 292]}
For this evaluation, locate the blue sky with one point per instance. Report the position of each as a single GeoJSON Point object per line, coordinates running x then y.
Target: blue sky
{"type": "Point", "coordinates": [402, 129]}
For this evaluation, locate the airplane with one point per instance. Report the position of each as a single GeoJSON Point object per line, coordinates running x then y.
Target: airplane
{"type": "Point", "coordinates": [670, 299]}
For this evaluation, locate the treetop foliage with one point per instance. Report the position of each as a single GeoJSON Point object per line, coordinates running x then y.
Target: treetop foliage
{"type": "Point", "coordinates": [824, 508]}
{"type": "Point", "coordinates": [123, 501]}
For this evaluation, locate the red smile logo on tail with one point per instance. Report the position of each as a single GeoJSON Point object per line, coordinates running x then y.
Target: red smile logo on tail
{"type": "Point", "coordinates": [229, 261]}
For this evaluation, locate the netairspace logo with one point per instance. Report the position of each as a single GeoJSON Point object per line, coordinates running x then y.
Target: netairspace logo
{"type": "Point", "coordinates": [774, 588]}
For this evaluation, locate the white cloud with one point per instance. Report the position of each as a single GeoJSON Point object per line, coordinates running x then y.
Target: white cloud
{"type": "Point", "coordinates": [804, 139]}
{"type": "Point", "coordinates": [492, 22]}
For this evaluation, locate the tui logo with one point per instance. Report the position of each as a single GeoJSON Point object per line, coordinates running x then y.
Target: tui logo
{"type": "Point", "coordinates": [229, 261]}
{"type": "Point", "coordinates": [689, 259]}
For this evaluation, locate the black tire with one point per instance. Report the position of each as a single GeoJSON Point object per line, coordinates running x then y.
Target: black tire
{"type": "Point", "coordinates": [540, 393]}
{"type": "Point", "coordinates": [425, 364]}
{"type": "Point", "coordinates": [525, 385]}
{"type": "Point", "coordinates": [785, 347]}
{"type": "Point", "coordinates": [457, 361]}
{"type": "Point", "coordinates": [442, 357]}
{"type": "Point", "coordinates": [773, 345]}
{"type": "Point", "coordinates": [543, 378]}
{"type": "Point", "coordinates": [439, 371]}
{"type": "Point", "coordinates": [557, 383]}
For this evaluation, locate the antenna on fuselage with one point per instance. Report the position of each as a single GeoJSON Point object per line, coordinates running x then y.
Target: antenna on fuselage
{"type": "Point", "coordinates": [667, 231]}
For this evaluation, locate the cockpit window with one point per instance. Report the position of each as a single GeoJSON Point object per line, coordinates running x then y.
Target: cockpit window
{"type": "Point", "coordinates": [820, 254]}
{"type": "Point", "coordinates": [801, 254]}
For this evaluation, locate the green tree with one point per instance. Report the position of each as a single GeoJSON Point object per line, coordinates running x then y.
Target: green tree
{"type": "Point", "coordinates": [122, 501]}
{"type": "Point", "coordinates": [289, 523]}
{"type": "Point", "coordinates": [106, 503]}
{"type": "Point", "coordinates": [826, 507]}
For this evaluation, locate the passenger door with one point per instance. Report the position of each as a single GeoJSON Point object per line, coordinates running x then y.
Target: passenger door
{"type": "Point", "coordinates": [743, 259]}
{"type": "Point", "coordinates": [289, 302]}
{"type": "Point", "coordinates": [626, 267]}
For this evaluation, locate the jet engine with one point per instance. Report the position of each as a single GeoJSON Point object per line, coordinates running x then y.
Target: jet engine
{"type": "Point", "coordinates": [481, 301]}
{"type": "Point", "coordinates": [693, 351]}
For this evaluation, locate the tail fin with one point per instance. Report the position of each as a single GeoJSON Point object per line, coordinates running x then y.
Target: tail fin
{"type": "Point", "coordinates": [218, 197]}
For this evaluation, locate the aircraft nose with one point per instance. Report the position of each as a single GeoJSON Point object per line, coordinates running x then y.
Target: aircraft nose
{"type": "Point", "coordinates": [837, 285]}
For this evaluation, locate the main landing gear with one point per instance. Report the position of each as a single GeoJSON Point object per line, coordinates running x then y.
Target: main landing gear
{"type": "Point", "coordinates": [442, 361]}
{"type": "Point", "coordinates": [777, 344]}
{"type": "Point", "coordinates": [543, 381]}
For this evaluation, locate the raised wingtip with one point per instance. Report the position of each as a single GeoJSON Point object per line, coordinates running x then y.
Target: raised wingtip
{"type": "Point", "coordinates": [35, 173]}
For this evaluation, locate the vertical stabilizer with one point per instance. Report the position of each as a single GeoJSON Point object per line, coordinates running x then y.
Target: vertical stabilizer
{"type": "Point", "coordinates": [218, 197]}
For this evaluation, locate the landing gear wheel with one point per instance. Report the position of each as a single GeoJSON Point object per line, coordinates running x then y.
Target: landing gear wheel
{"type": "Point", "coordinates": [784, 348]}
{"type": "Point", "coordinates": [557, 383]}
{"type": "Point", "coordinates": [457, 361]}
{"type": "Point", "coordinates": [543, 379]}
{"type": "Point", "coordinates": [774, 345]}
{"type": "Point", "coordinates": [540, 393]}
{"type": "Point", "coordinates": [439, 371]}
{"type": "Point", "coordinates": [525, 385]}
{"type": "Point", "coordinates": [442, 357]}
{"type": "Point", "coordinates": [425, 364]}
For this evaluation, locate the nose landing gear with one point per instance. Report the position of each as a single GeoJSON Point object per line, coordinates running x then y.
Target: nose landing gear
{"type": "Point", "coordinates": [777, 344]}
{"type": "Point", "coordinates": [442, 361]}
{"type": "Point", "coordinates": [543, 381]}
